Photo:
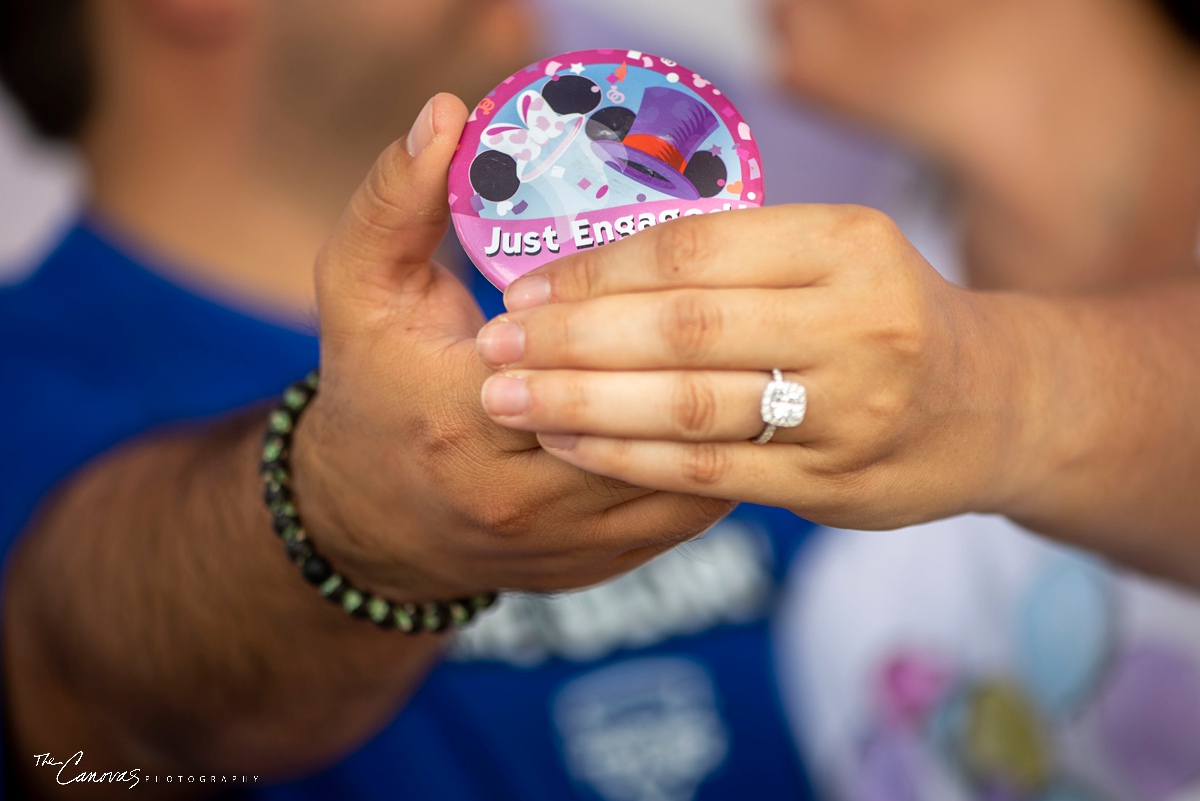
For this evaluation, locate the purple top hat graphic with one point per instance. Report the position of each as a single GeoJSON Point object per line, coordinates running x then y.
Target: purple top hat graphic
{"type": "Point", "coordinates": [660, 149]}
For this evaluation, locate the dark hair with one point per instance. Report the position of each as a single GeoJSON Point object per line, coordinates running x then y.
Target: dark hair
{"type": "Point", "coordinates": [44, 63]}
{"type": "Point", "coordinates": [1186, 16]}
{"type": "Point", "coordinates": [44, 58]}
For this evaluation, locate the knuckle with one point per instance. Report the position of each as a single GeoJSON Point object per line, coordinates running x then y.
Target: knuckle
{"type": "Point", "coordinates": [838, 466]}
{"type": "Point", "coordinates": [696, 515]}
{"type": "Point", "coordinates": [604, 487]}
{"type": "Point", "coordinates": [550, 337]}
{"type": "Point", "coordinates": [380, 194]}
{"type": "Point", "coordinates": [901, 335]}
{"type": "Point", "coordinates": [621, 457]}
{"type": "Point", "coordinates": [857, 231]}
{"type": "Point", "coordinates": [694, 407]}
{"type": "Point", "coordinates": [561, 342]}
{"type": "Point", "coordinates": [870, 225]}
{"type": "Point", "coordinates": [705, 464]}
{"type": "Point", "coordinates": [385, 203]}
{"type": "Point", "coordinates": [569, 402]}
{"type": "Point", "coordinates": [692, 324]}
{"type": "Point", "coordinates": [883, 405]}
{"type": "Point", "coordinates": [682, 247]}
{"type": "Point", "coordinates": [581, 281]}
{"type": "Point", "coordinates": [436, 438]}
{"type": "Point", "coordinates": [505, 517]}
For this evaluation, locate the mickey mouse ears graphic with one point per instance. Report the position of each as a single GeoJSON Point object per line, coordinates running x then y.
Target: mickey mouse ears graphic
{"type": "Point", "coordinates": [656, 146]}
{"type": "Point", "coordinates": [584, 149]}
{"type": "Point", "coordinates": [550, 121]}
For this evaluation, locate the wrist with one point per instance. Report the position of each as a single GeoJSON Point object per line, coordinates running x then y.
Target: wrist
{"type": "Point", "coordinates": [334, 506]}
{"type": "Point", "coordinates": [277, 472]}
{"type": "Point", "coordinates": [1016, 398]}
{"type": "Point", "coordinates": [369, 523]}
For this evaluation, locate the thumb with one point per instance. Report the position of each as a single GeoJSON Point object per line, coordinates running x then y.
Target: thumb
{"type": "Point", "coordinates": [380, 252]}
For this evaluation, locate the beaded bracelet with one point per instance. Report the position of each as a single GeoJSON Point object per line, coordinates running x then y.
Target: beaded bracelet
{"type": "Point", "coordinates": [410, 618]}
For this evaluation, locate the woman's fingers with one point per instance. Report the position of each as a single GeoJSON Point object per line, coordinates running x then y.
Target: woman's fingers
{"type": "Point", "coordinates": [781, 246]}
{"type": "Point", "coordinates": [736, 329]}
{"type": "Point", "coordinates": [698, 406]}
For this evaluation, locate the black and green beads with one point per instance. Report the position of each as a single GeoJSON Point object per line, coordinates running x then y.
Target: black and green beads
{"type": "Point", "coordinates": [297, 396]}
{"type": "Point", "coordinates": [280, 422]}
{"type": "Point", "coordinates": [275, 471]}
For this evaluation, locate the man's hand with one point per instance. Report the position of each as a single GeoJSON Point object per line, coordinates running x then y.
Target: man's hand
{"type": "Point", "coordinates": [152, 619]}
{"type": "Point", "coordinates": [401, 478]}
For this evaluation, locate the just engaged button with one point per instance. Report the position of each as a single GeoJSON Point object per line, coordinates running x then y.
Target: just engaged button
{"type": "Point", "coordinates": [583, 149]}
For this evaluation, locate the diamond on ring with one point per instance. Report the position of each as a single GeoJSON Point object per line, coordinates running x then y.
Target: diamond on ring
{"type": "Point", "coordinates": [783, 406]}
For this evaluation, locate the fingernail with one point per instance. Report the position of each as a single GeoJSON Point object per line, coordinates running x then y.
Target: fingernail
{"type": "Point", "coordinates": [558, 442]}
{"type": "Point", "coordinates": [422, 131]}
{"type": "Point", "coordinates": [501, 343]}
{"type": "Point", "coordinates": [527, 292]}
{"type": "Point", "coordinates": [505, 396]}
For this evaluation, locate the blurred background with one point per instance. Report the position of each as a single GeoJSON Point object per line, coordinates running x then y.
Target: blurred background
{"type": "Point", "coordinates": [1072, 129]}
{"type": "Point", "coordinates": [810, 156]}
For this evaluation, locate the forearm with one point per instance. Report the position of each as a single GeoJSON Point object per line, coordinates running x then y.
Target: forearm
{"type": "Point", "coordinates": [1111, 439]}
{"type": "Point", "coordinates": [151, 615]}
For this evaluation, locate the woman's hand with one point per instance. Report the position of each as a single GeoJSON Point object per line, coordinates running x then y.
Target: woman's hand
{"type": "Point", "coordinates": [646, 361]}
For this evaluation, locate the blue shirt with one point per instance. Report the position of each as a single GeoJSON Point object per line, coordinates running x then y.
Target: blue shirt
{"type": "Point", "coordinates": [657, 686]}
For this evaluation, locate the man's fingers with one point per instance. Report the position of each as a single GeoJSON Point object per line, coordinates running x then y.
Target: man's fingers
{"type": "Point", "coordinates": [783, 246]}
{"type": "Point", "coordinates": [731, 470]}
{"type": "Point", "coordinates": [382, 246]}
{"type": "Point", "coordinates": [663, 520]}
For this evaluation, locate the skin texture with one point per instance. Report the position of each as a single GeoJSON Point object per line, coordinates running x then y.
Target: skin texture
{"type": "Point", "coordinates": [1069, 133]}
{"type": "Point", "coordinates": [162, 549]}
{"type": "Point", "coordinates": [1067, 129]}
{"type": "Point", "coordinates": [226, 137]}
{"type": "Point", "coordinates": [1071, 414]}
{"type": "Point", "coordinates": [404, 483]}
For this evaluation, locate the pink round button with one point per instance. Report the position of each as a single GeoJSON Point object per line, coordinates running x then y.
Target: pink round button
{"type": "Point", "coordinates": [584, 149]}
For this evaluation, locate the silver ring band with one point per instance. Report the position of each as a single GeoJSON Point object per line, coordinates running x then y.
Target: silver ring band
{"type": "Point", "coordinates": [766, 435]}
{"type": "Point", "coordinates": [784, 404]}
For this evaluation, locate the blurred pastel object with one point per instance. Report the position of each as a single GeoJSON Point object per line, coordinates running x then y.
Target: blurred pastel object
{"type": "Point", "coordinates": [946, 726]}
{"type": "Point", "coordinates": [1064, 792]}
{"type": "Point", "coordinates": [890, 769]}
{"type": "Point", "coordinates": [1065, 633]}
{"type": "Point", "coordinates": [910, 685]}
{"type": "Point", "coordinates": [1002, 792]}
{"type": "Point", "coordinates": [1150, 721]}
{"type": "Point", "coordinates": [1004, 743]}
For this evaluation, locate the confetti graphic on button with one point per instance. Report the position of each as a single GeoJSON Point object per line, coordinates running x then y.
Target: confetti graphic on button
{"type": "Point", "coordinates": [585, 149]}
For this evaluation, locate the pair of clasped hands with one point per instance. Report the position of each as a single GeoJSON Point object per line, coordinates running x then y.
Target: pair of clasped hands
{"type": "Point", "coordinates": [610, 413]}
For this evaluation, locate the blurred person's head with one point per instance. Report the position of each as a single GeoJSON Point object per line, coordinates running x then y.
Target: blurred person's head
{"type": "Point", "coordinates": [350, 70]}
{"type": "Point", "coordinates": [207, 124]}
{"type": "Point", "coordinates": [1068, 116]}
{"type": "Point", "coordinates": [891, 61]}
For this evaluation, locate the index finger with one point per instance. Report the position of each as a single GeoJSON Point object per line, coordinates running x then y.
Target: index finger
{"type": "Point", "coordinates": [779, 246]}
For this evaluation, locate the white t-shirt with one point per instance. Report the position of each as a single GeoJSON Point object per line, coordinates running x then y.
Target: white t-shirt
{"type": "Point", "coordinates": [971, 659]}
